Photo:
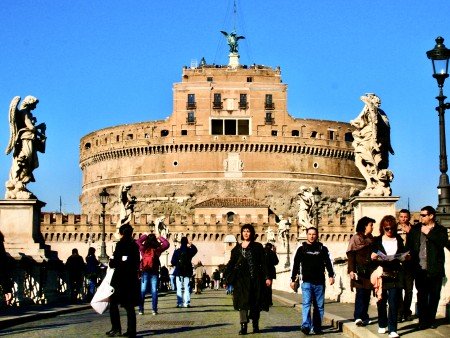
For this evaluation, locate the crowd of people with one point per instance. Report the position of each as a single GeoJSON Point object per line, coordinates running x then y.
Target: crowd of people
{"type": "Point", "coordinates": [386, 267]}
{"type": "Point", "coordinates": [389, 264]}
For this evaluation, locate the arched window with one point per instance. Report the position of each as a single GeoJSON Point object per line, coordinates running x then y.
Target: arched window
{"type": "Point", "coordinates": [230, 217]}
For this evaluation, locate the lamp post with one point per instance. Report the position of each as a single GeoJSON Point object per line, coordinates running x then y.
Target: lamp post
{"type": "Point", "coordinates": [288, 258]}
{"type": "Point", "coordinates": [103, 201]}
{"type": "Point", "coordinates": [440, 56]}
{"type": "Point", "coordinates": [317, 197]}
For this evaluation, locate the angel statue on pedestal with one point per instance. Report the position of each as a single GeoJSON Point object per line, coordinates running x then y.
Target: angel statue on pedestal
{"type": "Point", "coordinates": [26, 138]}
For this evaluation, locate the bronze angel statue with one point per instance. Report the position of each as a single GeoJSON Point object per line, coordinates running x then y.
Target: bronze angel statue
{"type": "Point", "coordinates": [232, 40]}
{"type": "Point", "coordinates": [26, 138]}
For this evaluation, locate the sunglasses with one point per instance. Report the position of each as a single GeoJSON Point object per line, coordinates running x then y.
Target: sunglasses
{"type": "Point", "coordinates": [388, 229]}
{"type": "Point", "coordinates": [423, 215]}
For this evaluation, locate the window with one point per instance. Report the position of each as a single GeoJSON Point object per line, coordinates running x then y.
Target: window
{"type": "Point", "coordinates": [314, 134]}
{"type": "Point", "coordinates": [295, 133]}
{"type": "Point", "coordinates": [269, 102]}
{"type": "Point", "coordinates": [183, 132]}
{"type": "Point", "coordinates": [146, 135]}
{"type": "Point", "coordinates": [190, 117]}
{"type": "Point", "coordinates": [164, 133]}
{"type": "Point", "coordinates": [217, 103]}
{"type": "Point", "coordinates": [230, 127]}
{"type": "Point", "coordinates": [274, 132]}
{"type": "Point", "coordinates": [117, 138]}
{"type": "Point", "coordinates": [216, 127]}
{"type": "Point", "coordinates": [331, 134]}
{"type": "Point", "coordinates": [249, 79]}
{"type": "Point", "coordinates": [87, 146]}
{"type": "Point", "coordinates": [269, 119]}
{"type": "Point", "coordinates": [348, 137]}
{"type": "Point", "coordinates": [191, 101]}
{"type": "Point", "coordinates": [243, 127]}
{"type": "Point", "coordinates": [243, 101]}
{"type": "Point", "coordinates": [129, 136]}
{"type": "Point", "coordinates": [209, 79]}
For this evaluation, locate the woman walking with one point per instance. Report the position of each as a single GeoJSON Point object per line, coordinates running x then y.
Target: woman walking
{"type": "Point", "coordinates": [151, 248]}
{"type": "Point", "coordinates": [360, 267]}
{"type": "Point", "coordinates": [247, 272]}
{"type": "Point", "coordinates": [385, 247]}
{"type": "Point", "coordinates": [125, 282]}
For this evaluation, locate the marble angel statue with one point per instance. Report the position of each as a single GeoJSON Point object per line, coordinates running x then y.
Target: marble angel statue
{"type": "Point", "coordinates": [126, 205]}
{"type": "Point", "coordinates": [372, 144]}
{"type": "Point", "coordinates": [26, 139]}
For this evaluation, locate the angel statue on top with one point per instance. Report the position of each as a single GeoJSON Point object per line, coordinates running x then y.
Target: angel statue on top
{"type": "Point", "coordinates": [232, 40]}
{"type": "Point", "coordinates": [26, 138]}
{"type": "Point", "coordinates": [372, 143]}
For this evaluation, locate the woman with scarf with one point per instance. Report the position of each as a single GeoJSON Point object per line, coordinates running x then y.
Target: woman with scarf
{"type": "Point", "coordinates": [247, 272]}
{"type": "Point", "coordinates": [360, 267]}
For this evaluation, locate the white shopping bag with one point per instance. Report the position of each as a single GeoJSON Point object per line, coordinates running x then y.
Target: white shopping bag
{"type": "Point", "coordinates": [100, 300]}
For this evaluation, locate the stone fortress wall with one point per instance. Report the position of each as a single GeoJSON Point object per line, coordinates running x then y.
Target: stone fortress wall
{"type": "Point", "coordinates": [65, 232]}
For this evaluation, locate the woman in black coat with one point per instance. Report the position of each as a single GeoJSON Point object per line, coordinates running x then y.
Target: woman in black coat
{"type": "Point", "coordinates": [247, 272]}
{"type": "Point", "coordinates": [125, 281]}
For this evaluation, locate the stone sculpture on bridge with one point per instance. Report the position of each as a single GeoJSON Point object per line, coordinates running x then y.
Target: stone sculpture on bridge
{"type": "Point", "coordinates": [371, 140]}
{"type": "Point", "coordinates": [26, 138]}
{"type": "Point", "coordinates": [283, 228]}
{"type": "Point", "coordinates": [305, 207]}
{"type": "Point", "coordinates": [126, 205]}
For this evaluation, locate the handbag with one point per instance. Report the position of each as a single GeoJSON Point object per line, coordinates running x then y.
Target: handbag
{"type": "Point", "coordinates": [100, 301]}
{"type": "Point", "coordinates": [296, 284]}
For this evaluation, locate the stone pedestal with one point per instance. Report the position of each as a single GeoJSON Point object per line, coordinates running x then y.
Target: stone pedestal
{"type": "Point", "coordinates": [233, 60]}
{"type": "Point", "coordinates": [20, 224]}
{"type": "Point", "coordinates": [374, 207]}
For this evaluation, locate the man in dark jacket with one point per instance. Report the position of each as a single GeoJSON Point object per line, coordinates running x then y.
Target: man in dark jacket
{"type": "Point", "coordinates": [426, 246]}
{"type": "Point", "coordinates": [75, 269]}
{"type": "Point", "coordinates": [310, 262]}
{"type": "Point", "coordinates": [182, 260]}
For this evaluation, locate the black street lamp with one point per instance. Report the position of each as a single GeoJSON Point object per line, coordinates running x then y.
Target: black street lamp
{"type": "Point", "coordinates": [104, 196]}
{"type": "Point", "coordinates": [440, 56]}
{"type": "Point", "coordinates": [288, 249]}
{"type": "Point", "coordinates": [317, 198]}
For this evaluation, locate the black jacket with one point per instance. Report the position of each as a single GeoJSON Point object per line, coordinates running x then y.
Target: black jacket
{"type": "Point", "coordinates": [436, 241]}
{"type": "Point", "coordinates": [248, 291]}
{"type": "Point", "coordinates": [314, 259]}
{"type": "Point", "coordinates": [393, 275]}
{"type": "Point", "coordinates": [125, 279]}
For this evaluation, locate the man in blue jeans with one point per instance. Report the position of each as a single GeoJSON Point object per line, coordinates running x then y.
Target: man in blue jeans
{"type": "Point", "coordinates": [182, 260]}
{"type": "Point", "coordinates": [310, 262]}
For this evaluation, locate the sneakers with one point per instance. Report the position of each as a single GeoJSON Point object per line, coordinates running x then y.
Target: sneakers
{"type": "Point", "coordinates": [187, 305]}
{"type": "Point", "coordinates": [367, 322]}
{"type": "Point", "coordinates": [393, 334]}
{"type": "Point", "coordinates": [141, 312]}
{"type": "Point", "coordinates": [359, 322]}
{"type": "Point", "coordinates": [154, 313]}
{"type": "Point", "coordinates": [382, 330]}
{"type": "Point", "coordinates": [305, 330]}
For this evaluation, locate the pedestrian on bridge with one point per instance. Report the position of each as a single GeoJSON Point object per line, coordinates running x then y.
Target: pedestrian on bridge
{"type": "Point", "coordinates": [247, 272]}
{"type": "Point", "coordinates": [125, 282]}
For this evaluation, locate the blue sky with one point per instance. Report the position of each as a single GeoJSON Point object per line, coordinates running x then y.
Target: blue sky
{"type": "Point", "coordinates": [95, 64]}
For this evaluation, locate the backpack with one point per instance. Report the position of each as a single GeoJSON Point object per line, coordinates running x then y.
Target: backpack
{"type": "Point", "coordinates": [184, 265]}
{"type": "Point", "coordinates": [148, 261]}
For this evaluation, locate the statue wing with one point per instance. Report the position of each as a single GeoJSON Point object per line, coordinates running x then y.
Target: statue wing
{"type": "Point", "coordinates": [12, 123]}
{"type": "Point", "coordinates": [240, 37]}
{"type": "Point", "coordinates": [224, 33]}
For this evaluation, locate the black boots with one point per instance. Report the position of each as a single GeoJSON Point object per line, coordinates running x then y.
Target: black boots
{"type": "Point", "coordinates": [243, 329]}
{"type": "Point", "coordinates": [255, 326]}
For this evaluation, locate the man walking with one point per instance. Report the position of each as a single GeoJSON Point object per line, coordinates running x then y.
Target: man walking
{"type": "Point", "coordinates": [404, 310]}
{"type": "Point", "coordinates": [182, 260]}
{"type": "Point", "coordinates": [310, 261]}
{"type": "Point", "coordinates": [427, 243]}
{"type": "Point", "coordinates": [75, 269]}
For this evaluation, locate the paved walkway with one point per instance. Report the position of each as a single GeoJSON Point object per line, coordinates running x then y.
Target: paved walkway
{"type": "Point", "coordinates": [337, 315]}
